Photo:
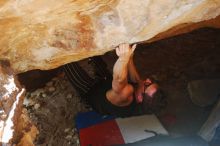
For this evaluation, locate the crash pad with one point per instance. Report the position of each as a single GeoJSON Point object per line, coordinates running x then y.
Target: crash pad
{"type": "Point", "coordinates": [113, 131]}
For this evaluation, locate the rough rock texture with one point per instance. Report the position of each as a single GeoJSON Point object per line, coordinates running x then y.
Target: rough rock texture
{"type": "Point", "coordinates": [14, 123]}
{"type": "Point", "coordinates": [11, 99]}
{"type": "Point", "coordinates": [53, 109]}
{"type": "Point", "coordinates": [45, 34]}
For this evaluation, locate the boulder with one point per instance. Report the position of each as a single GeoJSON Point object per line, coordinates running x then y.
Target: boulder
{"type": "Point", "coordinates": [45, 34]}
{"type": "Point", "coordinates": [204, 92]}
{"type": "Point", "coordinates": [15, 126]}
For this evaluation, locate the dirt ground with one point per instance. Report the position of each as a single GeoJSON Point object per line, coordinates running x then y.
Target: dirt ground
{"type": "Point", "coordinates": [53, 103]}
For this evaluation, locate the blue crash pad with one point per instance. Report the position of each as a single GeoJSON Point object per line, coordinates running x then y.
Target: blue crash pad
{"type": "Point", "coordinates": [86, 119]}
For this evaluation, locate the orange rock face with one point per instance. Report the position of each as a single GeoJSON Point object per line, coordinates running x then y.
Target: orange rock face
{"type": "Point", "coordinates": [11, 99]}
{"type": "Point", "coordinates": [15, 126]}
{"type": "Point", "coordinates": [44, 34]}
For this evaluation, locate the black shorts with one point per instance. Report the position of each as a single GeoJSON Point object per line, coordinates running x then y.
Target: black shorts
{"type": "Point", "coordinates": [97, 99]}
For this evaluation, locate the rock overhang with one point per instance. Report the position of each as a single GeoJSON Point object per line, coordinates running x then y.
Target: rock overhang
{"type": "Point", "coordinates": [47, 34]}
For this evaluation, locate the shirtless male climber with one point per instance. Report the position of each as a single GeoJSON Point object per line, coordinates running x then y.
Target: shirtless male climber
{"type": "Point", "coordinates": [122, 94]}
